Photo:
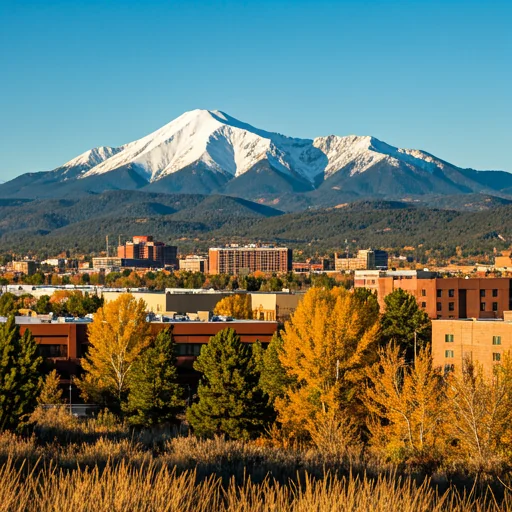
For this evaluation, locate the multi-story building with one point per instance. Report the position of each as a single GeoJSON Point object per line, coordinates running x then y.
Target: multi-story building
{"type": "Point", "coordinates": [245, 260]}
{"type": "Point", "coordinates": [442, 297]}
{"type": "Point", "coordinates": [145, 248]}
{"type": "Point", "coordinates": [482, 341]}
{"type": "Point", "coordinates": [194, 264]}
{"type": "Point", "coordinates": [27, 267]}
{"type": "Point", "coordinates": [366, 259]}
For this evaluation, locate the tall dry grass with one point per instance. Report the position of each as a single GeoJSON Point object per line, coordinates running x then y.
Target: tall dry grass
{"type": "Point", "coordinates": [123, 488]}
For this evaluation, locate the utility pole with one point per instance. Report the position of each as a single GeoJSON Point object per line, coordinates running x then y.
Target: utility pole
{"type": "Point", "coordinates": [106, 238]}
{"type": "Point", "coordinates": [415, 343]}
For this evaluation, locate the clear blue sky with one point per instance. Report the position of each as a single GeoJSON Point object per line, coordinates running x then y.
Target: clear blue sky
{"type": "Point", "coordinates": [435, 75]}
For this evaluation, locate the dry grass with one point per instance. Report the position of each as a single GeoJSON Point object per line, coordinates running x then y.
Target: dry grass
{"type": "Point", "coordinates": [123, 488]}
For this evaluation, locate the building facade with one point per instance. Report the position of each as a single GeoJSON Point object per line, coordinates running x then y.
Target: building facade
{"type": "Point", "coordinates": [27, 267]}
{"type": "Point", "coordinates": [449, 298]}
{"type": "Point", "coordinates": [485, 342]}
{"type": "Point", "coordinates": [366, 259]}
{"type": "Point", "coordinates": [145, 248]}
{"type": "Point", "coordinates": [194, 264]}
{"type": "Point", "coordinates": [246, 260]}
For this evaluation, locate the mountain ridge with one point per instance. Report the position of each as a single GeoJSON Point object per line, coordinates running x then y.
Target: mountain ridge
{"type": "Point", "coordinates": [211, 152]}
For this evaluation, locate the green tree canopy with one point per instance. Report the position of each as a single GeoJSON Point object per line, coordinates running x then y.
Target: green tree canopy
{"type": "Point", "coordinates": [154, 396]}
{"type": "Point", "coordinates": [402, 319]}
{"type": "Point", "coordinates": [230, 400]}
{"type": "Point", "coordinates": [19, 374]}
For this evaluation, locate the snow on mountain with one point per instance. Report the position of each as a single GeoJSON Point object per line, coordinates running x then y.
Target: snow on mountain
{"type": "Point", "coordinates": [82, 163]}
{"type": "Point", "coordinates": [210, 151]}
{"type": "Point", "coordinates": [222, 143]}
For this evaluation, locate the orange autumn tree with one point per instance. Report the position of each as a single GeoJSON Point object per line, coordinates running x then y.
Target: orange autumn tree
{"type": "Point", "coordinates": [117, 336]}
{"type": "Point", "coordinates": [238, 306]}
{"type": "Point", "coordinates": [330, 339]}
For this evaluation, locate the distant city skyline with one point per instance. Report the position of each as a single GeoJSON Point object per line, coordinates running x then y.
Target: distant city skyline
{"type": "Point", "coordinates": [423, 75]}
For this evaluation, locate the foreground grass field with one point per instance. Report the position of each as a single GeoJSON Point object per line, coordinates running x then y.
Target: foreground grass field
{"type": "Point", "coordinates": [157, 473]}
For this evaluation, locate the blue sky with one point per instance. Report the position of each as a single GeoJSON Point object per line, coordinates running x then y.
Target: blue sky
{"type": "Point", "coordinates": [435, 75]}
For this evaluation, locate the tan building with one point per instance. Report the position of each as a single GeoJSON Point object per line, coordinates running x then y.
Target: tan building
{"type": "Point", "coordinates": [482, 341]}
{"type": "Point", "coordinates": [249, 259]}
{"type": "Point", "coordinates": [366, 259]}
{"type": "Point", "coordinates": [274, 306]}
{"type": "Point", "coordinates": [156, 301]}
{"type": "Point", "coordinates": [442, 297]}
{"type": "Point", "coordinates": [194, 264]}
{"type": "Point", "coordinates": [27, 267]}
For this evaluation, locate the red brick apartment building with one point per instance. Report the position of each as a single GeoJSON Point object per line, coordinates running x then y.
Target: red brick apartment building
{"type": "Point", "coordinates": [248, 259]}
{"type": "Point", "coordinates": [449, 298]}
{"type": "Point", "coordinates": [64, 344]}
{"type": "Point", "coordinates": [145, 248]}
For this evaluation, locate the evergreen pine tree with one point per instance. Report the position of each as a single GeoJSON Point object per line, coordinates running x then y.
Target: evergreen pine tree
{"type": "Point", "coordinates": [403, 321]}
{"type": "Point", "coordinates": [230, 400]}
{"type": "Point", "coordinates": [154, 396]}
{"type": "Point", "coordinates": [19, 374]}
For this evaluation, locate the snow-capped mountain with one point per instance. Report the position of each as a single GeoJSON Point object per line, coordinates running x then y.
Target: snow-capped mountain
{"type": "Point", "coordinates": [205, 151]}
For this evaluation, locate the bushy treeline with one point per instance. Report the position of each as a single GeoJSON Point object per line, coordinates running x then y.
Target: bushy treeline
{"type": "Point", "coordinates": [340, 377]}
{"type": "Point", "coordinates": [60, 303]}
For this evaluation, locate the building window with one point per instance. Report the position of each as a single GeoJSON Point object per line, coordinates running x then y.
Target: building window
{"type": "Point", "coordinates": [451, 306]}
{"type": "Point", "coordinates": [496, 340]}
{"type": "Point", "coordinates": [449, 368]}
{"type": "Point", "coordinates": [496, 356]}
{"type": "Point", "coordinates": [482, 306]}
{"type": "Point", "coordinates": [451, 292]}
{"type": "Point", "coordinates": [439, 293]}
{"type": "Point", "coordinates": [449, 354]}
{"type": "Point", "coordinates": [423, 304]}
{"type": "Point", "coordinates": [448, 338]}
{"type": "Point", "coordinates": [495, 306]}
{"type": "Point", "coordinates": [423, 292]}
{"type": "Point", "coordinates": [482, 293]}
{"type": "Point", "coordinates": [439, 306]}
{"type": "Point", "coordinates": [495, 293]}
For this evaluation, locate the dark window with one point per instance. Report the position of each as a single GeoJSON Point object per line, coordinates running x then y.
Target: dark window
{"type": "Point", "coordinates": [448, 353]}
{"type": "Point", "coordinates": [482, 306]}
{"type": "Point", "coordinates": [53, 350]}
{"type": "Point", "coordinates": [448, 338]}
{"type": "Point", "coordinates": [451, 292]}
{"type": "Point", "coordinates": [496, 340]}
{"type": "Point", "coordinates": [423, 304]}
{"type": "Point", "coordinates": [423, 292]}
{"type": "Point", "coordinates": [439, 293]}
{"type": "Point", "coordinates": [439, 306]}
{"type": "Point", "coordinates": [495, 306]}
{"type": "Point", "coordinates": [482, 293]}
{"type": "Point", "coordinates": [188, 349]}
{"type": "Point", "coordinates": [496, 356]}
{"type": "Point", "coordinates": [451, 306]}
{"type": "Point", "coordinates": [495, 293]}
{"type": "Point", "coordinates": [449, 368]}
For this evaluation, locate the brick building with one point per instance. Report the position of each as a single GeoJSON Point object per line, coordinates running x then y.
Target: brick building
{"type": "Point", "coordinates": [145, 248]}
{"type": "Point", "coordinates": [249, 259]}
{"type": "Point", "coordinates": [442, 297]}
{"type": "Point", "coordinates": [482, 341]}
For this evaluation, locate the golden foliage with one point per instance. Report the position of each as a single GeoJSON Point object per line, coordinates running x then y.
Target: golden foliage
{"type": "Point", "coordinates": [410, 399]}
{"type": "Point", "coordinates": [480, 419]}
{"type": "Point", "coordinates": [329, 340]}
{"type": "Point", "coordinates": [117, 336]}
{"type": "Point", "coordinates": [237, 305]}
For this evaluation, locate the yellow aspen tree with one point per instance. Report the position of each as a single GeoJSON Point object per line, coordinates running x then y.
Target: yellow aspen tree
{"type": "Point", "coordinates": [480, 420]}
{"type": "Point", "coordinates": [237, 305]}
{"type": "Point", "coordinates": [407, 405]}
{"type": "Point", "coordinates": [117, 336]}
{"type": "Point", "coordinates": [329, 340]}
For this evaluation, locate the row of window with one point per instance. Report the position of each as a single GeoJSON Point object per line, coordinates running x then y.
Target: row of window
{"type": "Point", "coordinates": [449, 338]}
{"type": "Point", "coordinates": [451, 306]}
{"type": "Point", "coordinates": [451, 292]}
{"type": "Point", "coordinates": [449, 354]}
